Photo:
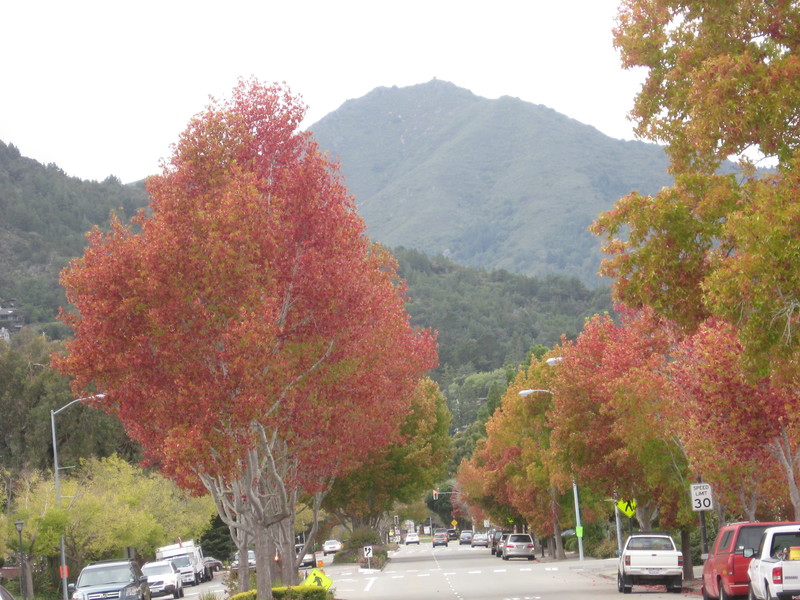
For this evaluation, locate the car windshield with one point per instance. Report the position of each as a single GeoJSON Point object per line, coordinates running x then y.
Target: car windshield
{"type": "Point", "coordinates": [156, 569]}
{"type": "Point", "coordinates": [105, 575]}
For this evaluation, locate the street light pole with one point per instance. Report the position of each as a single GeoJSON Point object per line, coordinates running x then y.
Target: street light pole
{"type": "Point", "coordinates": [578, 527]}
{"type": "Point", "coordinates": [23, 589]}
{"type": "Point", "coordinates": [62, 568]}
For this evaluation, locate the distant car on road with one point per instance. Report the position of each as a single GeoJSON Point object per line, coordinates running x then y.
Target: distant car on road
{"type": "Point", "coordinates": [465, 537]}
{"type": "Point", "coordinates": [212, 564]}
{"type": "Point", "coordinates": [440, 539]}
{"type": "Point", "coordinates": [452, 534]}
{"type": "Point", "coordinates": [480, 539]}
{"type": "Point", "coordinates": [412, 537]}
{"type": "Point", "coordinates": [331, 547]}
{"type": "Point", "coordinates": [163, 578]}
{"type": "Point", "coordinates": [308, 558]}
{"type": "Point", "coordinates": [519, 545]}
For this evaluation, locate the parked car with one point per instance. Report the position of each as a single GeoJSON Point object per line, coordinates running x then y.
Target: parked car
{"type": "Point", "coordinates": [111, 579]}
{"type": "Point", "coordinates": [480, 539]}
{"type": "Point", "coordinates": [412, 537]}
{"type": "Point", "coordinates": [308, 559]}
{"type": "Point", "coordinates": [501, 544]}
{"type": "Point", "coordinates": [163, 578]}
{"type": "Point", "coordinates": [774, 569]}
{"type": "Point", "coordinates": [465, 537]}
{"type": "Point", "coordinates": [519, 545]}
{"type": "Point", "coordinates": [725, 569]}
{"type": "Point", "coordinates": [440, 539]}
{"type": "Point", "coordinates": [494, 538]}
{"type": "Point", "coordinates": [331, 547]}
{"type": "Point", "coordinates": [650, 558]}
{"type": "Point", "coordinates": [212, 564]}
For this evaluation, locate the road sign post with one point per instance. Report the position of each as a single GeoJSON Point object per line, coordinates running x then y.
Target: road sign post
{"type": "Point", "coordinates": [702, 500]}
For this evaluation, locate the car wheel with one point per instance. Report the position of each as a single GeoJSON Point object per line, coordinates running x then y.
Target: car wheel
{"type": "Point", "coordinates": [505, 557]}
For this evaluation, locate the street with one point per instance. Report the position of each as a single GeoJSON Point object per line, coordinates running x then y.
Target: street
{"type": "Point", "coordinates": [464, 573]}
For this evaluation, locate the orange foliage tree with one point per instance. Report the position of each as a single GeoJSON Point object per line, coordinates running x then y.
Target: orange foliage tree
{"type": "Point", "coordinates": [245, 330]}
{"type": "Point", "coordinates": [611, 417]}
{"type": "Point", "coordinates": [739, 434]}
{"type": "Point", "coordinates": [722, 80]}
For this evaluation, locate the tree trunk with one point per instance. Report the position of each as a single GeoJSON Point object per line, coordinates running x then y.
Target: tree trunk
{"type": "Point", "coordinates": [558, 540]}
{"type": "Point", "coordinates": [645, 513]}
{"type": "Point", "coordinates": [686, 549]}
{"type": "Point", "coordinates": [263, 558]}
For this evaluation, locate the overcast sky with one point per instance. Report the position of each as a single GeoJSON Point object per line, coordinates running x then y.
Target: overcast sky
{"type": "Point", "coordinates": [104, 87]}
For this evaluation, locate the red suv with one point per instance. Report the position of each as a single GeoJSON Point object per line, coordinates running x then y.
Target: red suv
{"type": "Point", "coordinates": [725, 569]}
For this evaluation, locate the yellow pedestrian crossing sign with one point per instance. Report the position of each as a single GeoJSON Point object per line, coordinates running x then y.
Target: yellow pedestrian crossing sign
{"type": "Point", "coordinates": [319, 579]}
{"type": "Point", "coordinates": [627, 507]}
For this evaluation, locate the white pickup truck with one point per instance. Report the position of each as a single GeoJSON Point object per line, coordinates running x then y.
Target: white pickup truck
{"type": "Point", "coordinates": [774, 570]}
{"type": "Point", "coordinates": [650, 559]}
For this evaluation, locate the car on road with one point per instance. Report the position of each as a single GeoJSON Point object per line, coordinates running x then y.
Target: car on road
{"type": "Point", "coordinates": [452, 534]}
{"type": "Point", "coordinates": [480, 539]}
{"type": "Point", "coordinates": [212, 564]}
{"type": "Point", "coordinates": [331, 547]}
{"type": "Point", "coordinates": [440, 539]}
{"type": "Point", "coordinates": [519, 545]}
{"type": "Point", "coordinates": [163, 578]}
{"type": "Point", "coordinates": [308, 558]}
{"type": "Point", "coordinates": [465, 537]}
{"type": "Point", "coordinates": [412, 537]}
{"type": "Point", "coordinates": [725, 569]}
{"type": "Point", "coordinates": [251, 560]}
{"type": "Point", "coordinates": [111, 579]}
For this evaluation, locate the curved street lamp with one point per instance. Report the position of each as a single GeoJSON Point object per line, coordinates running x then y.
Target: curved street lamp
{"type": "Point", "coordinates": [22, 587]}
{"type": "Point", "coordinates": [578, 527]}
{"type": "Point", "coordinates": [62, 568]}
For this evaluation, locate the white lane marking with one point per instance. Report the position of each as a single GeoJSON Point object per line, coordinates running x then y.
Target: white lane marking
{"type": "Point", "coordinates": [369, 585]}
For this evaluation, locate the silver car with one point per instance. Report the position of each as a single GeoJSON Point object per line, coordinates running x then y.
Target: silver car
{"type": "Point", "coordinates": [519, 545]}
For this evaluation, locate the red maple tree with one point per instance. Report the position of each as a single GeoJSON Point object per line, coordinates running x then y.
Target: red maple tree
{"type": "Point", "coordinates": [244, 329]}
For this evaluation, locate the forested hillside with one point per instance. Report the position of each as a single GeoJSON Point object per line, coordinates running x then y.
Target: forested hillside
{"type": "Point", "coordinates": [44, 217]}
{"type": "Point", "coordinates": [489, 319]}
{"type": "Point", "coordinates": [493, 184]}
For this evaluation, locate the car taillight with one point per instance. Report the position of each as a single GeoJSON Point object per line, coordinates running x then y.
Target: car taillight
{"type": "Point", "coordinates": [680, 560]}
{"type": "Point", "coordinates": [777, 575]}
{"type": "Point", "coordinates": [529, 546]}
{"type": "Point", "coordinates": [627, 560]}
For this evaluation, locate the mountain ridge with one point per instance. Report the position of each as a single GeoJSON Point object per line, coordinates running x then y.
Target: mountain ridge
{"type": "Point", "coordinates": [493, 184]}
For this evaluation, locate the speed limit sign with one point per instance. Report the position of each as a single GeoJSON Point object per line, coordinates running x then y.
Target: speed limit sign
{"type": "Point", "coordinates": [702, 498]}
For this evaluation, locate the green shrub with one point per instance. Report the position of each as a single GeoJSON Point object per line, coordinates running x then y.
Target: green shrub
{"type": "Point", "coordinates": [301, 592]}
{"type": "Point", "coordinates": [363, 536]}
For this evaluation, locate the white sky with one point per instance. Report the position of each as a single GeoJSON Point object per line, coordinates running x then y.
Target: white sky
{"type": "Point", "coordinates": [102, 87]}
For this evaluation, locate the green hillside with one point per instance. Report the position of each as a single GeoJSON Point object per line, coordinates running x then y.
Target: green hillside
{"type": "Point", "coordinates": [494, 184]}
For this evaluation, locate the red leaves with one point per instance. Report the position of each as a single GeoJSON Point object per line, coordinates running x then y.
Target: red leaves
{"type": "Point", "coordinates": [250, 295]}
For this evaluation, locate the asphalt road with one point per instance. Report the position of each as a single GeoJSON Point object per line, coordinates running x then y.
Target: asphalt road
{"type": "Point", "coordinates": [464, 573]}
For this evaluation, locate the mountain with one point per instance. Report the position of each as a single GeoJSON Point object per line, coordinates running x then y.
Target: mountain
{"type": "Point", "coordinates": [491, 184]}
{"type": "Point", "coordinates": [44, 217]}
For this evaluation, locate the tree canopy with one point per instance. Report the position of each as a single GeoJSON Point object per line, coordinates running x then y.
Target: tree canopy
{"type": "Point", "coordinates": [246, 320]}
